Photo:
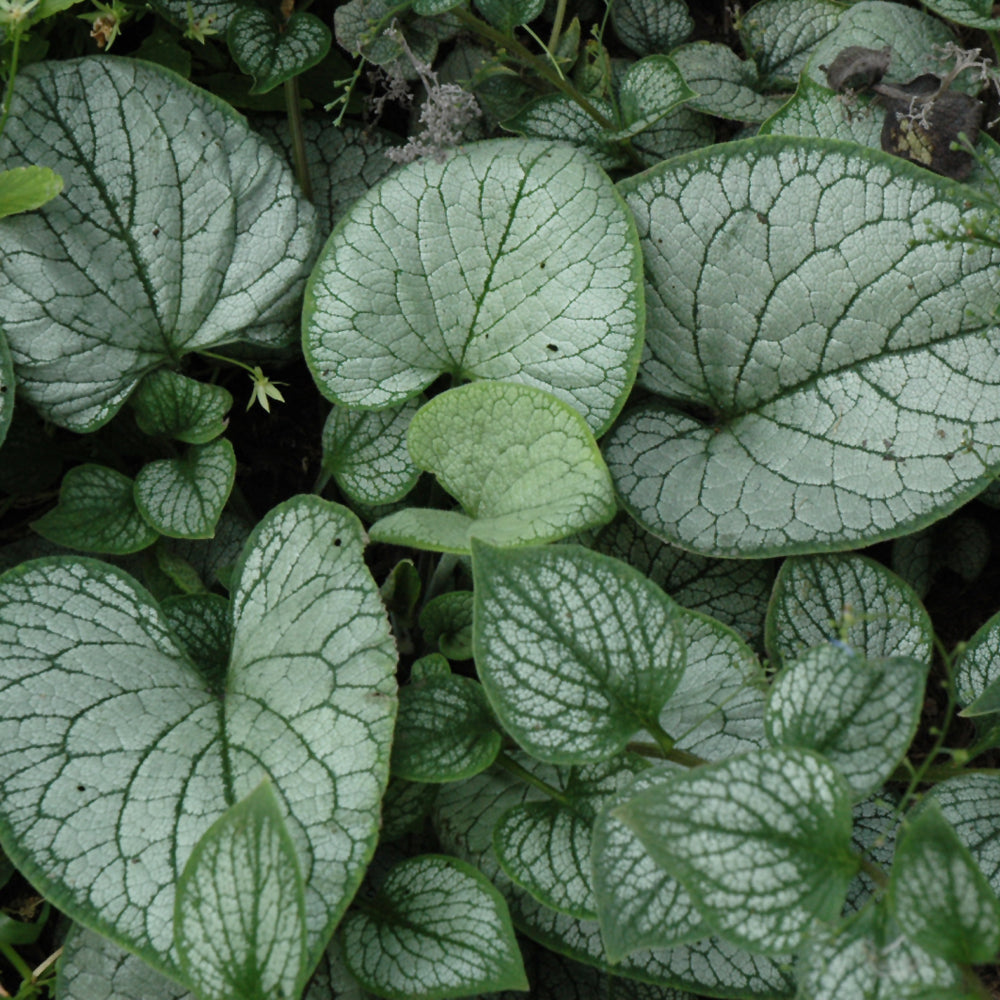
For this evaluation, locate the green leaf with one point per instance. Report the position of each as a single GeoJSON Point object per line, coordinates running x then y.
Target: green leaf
{"type": "Point", "coordinates": [202, 238]}
{"type": "Point", "coordinates": [510, 260]}
{"type": "Point", "coordinates": [651, 26]}
{"type": "Point", "coordinates": [799, 413]}
{"type": "Point", "coordinates": [576, 651]}
{"type": "Point", "coordinates": [717, 709]}
{"type": "Point", "coordinates": [465, 815]}
{"type": "Point", "coordinates": [508, 14]}
{"type": "Point", "coordinates": [650, 90]}
{"type": "Point", "coordinates": [971, 804]}
{"type": "Point", "coordinates": [240, 912]}
{"type": "Point", "coordinates": [212, 16]}
{"type": "Point", "coordinates": [977, 673]}
{"type": "Point", "coordinates": [556, 116]}
{"type": "Point", "coordinates": [170, 404]}
{"type": "Point", "coordinates": [938, 895]}
{"type": "Point", "coordinates": [366, 454]}
{"type": "Point", "coordinates": [444, 731]}
{"type": "Point", "coordinates": [521, 462]}
{"type": "Point", "coordinates": [761, 842]}
{"type": "Point", "coordinates": [817, 111]}
{"type": "Point", "coordinates": [971, 13]}
{"type": "Point", "coordinates": [437, 929]}
{"type": "Point", "coordinates": [868, 960]}
{"type": "Point", "coordinates": [639, 905]}
{"type": "Point", "coordinates": [726, 86]}
{"type": "Point", "coordinates": [780, 35]}
{"type": "Point", "coordinates": [446, 622]}
{"type": "Point", "coordinates": [96, 512]}
{"type": "Point", "coordinates": [26, 188]}
{"type": "Point", "coordinates": [734, 591]}
{"type": "Point", "coordinates": [846, 597]}
{"type": "Point", "coordinates": [273, 52]}
{"type": "Point", "coordinates": [860, 713]}
{"type": "Point", "coordinates": [183, 497]}
{"type": "Point", "coordinates": [200, 622]}
{"type": "Point", "coordinates": [137, 756]}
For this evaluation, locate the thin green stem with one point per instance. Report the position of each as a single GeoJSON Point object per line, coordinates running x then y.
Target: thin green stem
{"type": "Point", "coordinates": [22, 967]}
{"type": "Point", "coordinates": [227, 361]}
{"type": "Point", "coordinates": [529, 59]}
{"type": "Point", "coordinates": [546, 50]}
{"type": "Point", "coordinates": [293, 107]}
{"type": "Point", "coordinates": [9, 92]}
{"type": "Point", "coordinates": [557, 24]}
{"type": "Point", "coordinates": [682, 757]}
{"type": "Point", "coordinates": [512, 767]}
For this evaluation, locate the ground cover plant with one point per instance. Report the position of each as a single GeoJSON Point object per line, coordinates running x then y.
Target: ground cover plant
{"type": "Point", "coordinates": [499, 497]}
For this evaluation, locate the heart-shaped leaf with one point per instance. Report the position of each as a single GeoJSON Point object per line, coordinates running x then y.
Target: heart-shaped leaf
{"type": "Point", "coordinates": [437, 929]}
{"type": "Point", "coordinates": [97, 512]}
{"type": "Point", "coordinates": [761, 842]}
{"type": "Point", "coordinates": [508, 14]}
{"type": "Point", "coordinates": [510, 260]}
{"type": "Point", "coordinates": [861, 714]}
{"type": "Point", "coordinates": [183, 230]}
{"type": "Point", "coordinates": [521, 462]}
{"type": "Point", "coordinates": [183, 497]}
{"type": "Point", "coordinates": [173, 405]}
{"type": "Point", "coordinates": [240, 912]}
{"type": "Point", "coordinates": [272, 52]}
{"type": "Point", "coordinates": [132, 755]}
{"type": "Point", "coordinates": [940, 898]}
{"type": "Point", "coordinates": [576, 651]}
{"type": "Point", "coordinates": [850, 598]}
{"type": "Point", "coordinates": [799, 412]}
{"type": "Point", "coordinates": [651, 26]}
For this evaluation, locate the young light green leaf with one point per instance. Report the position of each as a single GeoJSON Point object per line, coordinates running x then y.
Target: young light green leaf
{"type": "Point", "coordinates": [725, 85]}
{"type": "Point", "coordinates": [846, 597]}
{"type": "Point", "coordinates": [437, 929]}
{"type": "Point", "coordinates": [366, 453]}
{"type": "Point", "coordinates": [938, 895]}
{"type": "Point", "coordinates": [543, 285]}
{"type": "Point", "coordinates": [183, 497]}
{"type": "Point", "coordinates": [817, 417]}
{"type": "Point", "coordinates": [651, 26]}
{"type": "Point", "coordinates": [96, 512]}
{"type": "Point", "coordinates": [24, 189]}
{"type": "Point", "coordinates": [444, 731]}
{"type": "Point", "coordinates": [521, 462]}
{"type": "Point", "coordinates": [137, 755]}
{"type": "Point", "coordinates": [201, 233]}
{"type": "Point", "coordinates": [273, 52]}
{"type": "Point", "coordinates": [240, 913]}
{"type": "Point", "coordinates": [576, 651]}
{"type": "Point", "coordinates": [639, 905]}
{"type": "Point", "coordinates": [761, 842]}
{"type": "Point", "coordinates": [860, 713]}
{"type": "Point", "coordinates": [168, 403]}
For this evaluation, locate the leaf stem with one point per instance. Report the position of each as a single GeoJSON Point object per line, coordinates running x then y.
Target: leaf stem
{"type": "Point", "coordinates": [293, 107]}
{"type": "Point", "coordinates": [526, 56]}
{"type": "Point", "coordinates": [9, 91]}
{"type": "Point", "coordinates": [510, 765]}
{"type": "Point", "coordinates": [557, 24]}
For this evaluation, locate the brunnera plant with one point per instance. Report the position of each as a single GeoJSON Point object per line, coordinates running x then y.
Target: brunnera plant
{"type": "Point", "coordinates": [611, 705]}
